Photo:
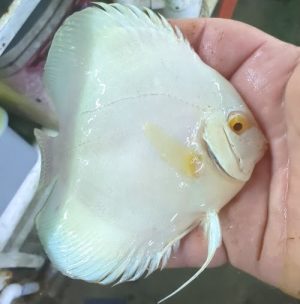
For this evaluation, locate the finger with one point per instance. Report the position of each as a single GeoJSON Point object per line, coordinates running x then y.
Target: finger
{"type": "Point", "coordinates": [222, 44]}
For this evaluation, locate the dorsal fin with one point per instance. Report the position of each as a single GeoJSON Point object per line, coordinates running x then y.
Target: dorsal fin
{"type": "Point", "coordinates": [131, 16]}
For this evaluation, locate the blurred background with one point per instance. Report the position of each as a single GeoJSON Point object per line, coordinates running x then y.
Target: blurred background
{"type": "Point", "coordinates": [26, 29]}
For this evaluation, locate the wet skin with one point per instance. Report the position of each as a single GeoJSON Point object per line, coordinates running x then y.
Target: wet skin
{"type": "Point", "coordinates": [261, 226]}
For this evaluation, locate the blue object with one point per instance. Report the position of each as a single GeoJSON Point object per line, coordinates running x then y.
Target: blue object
{"type": "Point", "coordinates": [17, 158]}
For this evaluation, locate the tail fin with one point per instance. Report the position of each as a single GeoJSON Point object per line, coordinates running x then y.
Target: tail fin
{"type": "Point", "coordinates": [213, 233]}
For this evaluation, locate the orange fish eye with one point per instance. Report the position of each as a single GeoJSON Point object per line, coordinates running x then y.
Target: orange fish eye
{"type": "Point", "coordinates": [238, 123]}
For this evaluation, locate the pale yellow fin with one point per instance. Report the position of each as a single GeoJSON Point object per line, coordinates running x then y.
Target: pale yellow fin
{"type": "Point", "coordinates": [181, 158]}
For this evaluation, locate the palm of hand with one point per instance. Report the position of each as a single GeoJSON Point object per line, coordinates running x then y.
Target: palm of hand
{"type": "Point", "coordinates": [260, 225]}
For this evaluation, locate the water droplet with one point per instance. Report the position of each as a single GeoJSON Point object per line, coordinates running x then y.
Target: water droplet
{"type": "Point", "coordinates": [90, 120]}
{"type": "Point", "coordinates": [150, 243]}
{"type": "Point", "coordinates": [174, 217]}
{"type": "Point", "coordinates": [86, 132]}
{"type": "Point", "coordinates": [98, 103]}
{"type": "Point", "coordinates": [182, 185]}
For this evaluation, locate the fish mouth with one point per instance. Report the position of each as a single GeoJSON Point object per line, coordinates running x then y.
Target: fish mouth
{"type": "Point", "coordinates": [215, 160]}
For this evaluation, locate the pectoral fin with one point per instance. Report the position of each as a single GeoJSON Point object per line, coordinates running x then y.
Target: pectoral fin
{"type": "Point", "coordinates": [183, 159]}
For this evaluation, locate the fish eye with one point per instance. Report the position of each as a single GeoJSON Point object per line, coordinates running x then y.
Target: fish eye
{"type": "Point", "coordinates": [238, 122]}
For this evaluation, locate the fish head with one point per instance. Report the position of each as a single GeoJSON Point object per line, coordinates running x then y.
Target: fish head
{"type": "Point", "coordinates": [234, 141]}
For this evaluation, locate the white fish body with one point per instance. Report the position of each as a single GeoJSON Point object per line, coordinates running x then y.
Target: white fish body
{"type": "Point", "coordinates": [147, 148]}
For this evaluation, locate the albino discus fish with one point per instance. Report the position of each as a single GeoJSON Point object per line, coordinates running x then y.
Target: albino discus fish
{"type": "Point", "coordinates": [152, 143]}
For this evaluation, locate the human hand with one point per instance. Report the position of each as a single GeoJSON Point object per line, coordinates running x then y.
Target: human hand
{"type": "Point", "coordinates": [261, 226]}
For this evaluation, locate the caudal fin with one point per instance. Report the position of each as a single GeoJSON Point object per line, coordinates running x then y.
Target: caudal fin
{"type": "Point", "coordinates": [212, 230]}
